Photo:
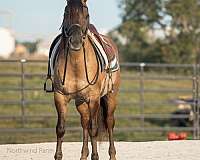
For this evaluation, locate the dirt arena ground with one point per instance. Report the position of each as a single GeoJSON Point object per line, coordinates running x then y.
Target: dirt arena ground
{"type": "Point", "coordinates": [176, 150]}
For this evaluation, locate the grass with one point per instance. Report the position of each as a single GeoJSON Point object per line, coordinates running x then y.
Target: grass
{"type": "Point", "coordinates": [129, 105]}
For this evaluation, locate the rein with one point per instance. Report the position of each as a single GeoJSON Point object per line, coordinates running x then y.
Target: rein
{"type": "Point", "coordinates": [90, 83]}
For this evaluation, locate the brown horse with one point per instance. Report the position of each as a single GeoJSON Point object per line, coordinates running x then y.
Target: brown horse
{"type": "Point", "coordinates": [77, 76]}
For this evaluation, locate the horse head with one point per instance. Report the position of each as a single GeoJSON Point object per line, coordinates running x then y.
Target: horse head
{"type": "Point", "coordinates": [75, 23]}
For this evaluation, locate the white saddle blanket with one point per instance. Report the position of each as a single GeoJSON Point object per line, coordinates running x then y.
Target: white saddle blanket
{"type": "Point", "coordinates": [114, 64]}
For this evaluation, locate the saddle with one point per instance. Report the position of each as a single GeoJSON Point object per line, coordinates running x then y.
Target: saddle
{"type": "Point", "coordinates": [107, 47]}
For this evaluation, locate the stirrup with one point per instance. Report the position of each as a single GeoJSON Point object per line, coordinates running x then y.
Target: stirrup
{"type": "Point", "coordinates": [48, 85]}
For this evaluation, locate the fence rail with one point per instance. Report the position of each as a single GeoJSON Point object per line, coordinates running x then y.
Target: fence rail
{"type": "Point", "coordinates": [140, 77]}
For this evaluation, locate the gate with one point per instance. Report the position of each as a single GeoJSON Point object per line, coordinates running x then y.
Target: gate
{"type": "Point", "coordinates": [21, 85]}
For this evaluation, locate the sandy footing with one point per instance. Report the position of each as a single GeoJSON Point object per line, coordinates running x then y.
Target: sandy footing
{"type": "Point", "coordinates": [176, 150]}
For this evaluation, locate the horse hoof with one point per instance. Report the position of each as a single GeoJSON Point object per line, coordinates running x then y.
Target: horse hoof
{"type": "Point", "coordinates": [58, 157]}
{"type": "Point", "coordinates": [83, 158]}
{"type": "Point", "coordinates": [113, 158]}
{"type": "Point", "coordinates": [94, 157]}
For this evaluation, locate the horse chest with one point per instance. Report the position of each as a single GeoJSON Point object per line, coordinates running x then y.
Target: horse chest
{"type": "Point", "coordinates": [81, 88]}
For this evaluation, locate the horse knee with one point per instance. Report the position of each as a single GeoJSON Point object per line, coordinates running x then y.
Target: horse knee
{"type": "Point", "coordinates": [85, 121]}
{"type": "Point", "coordinates": [93, 128]}
{"type": "Point", "coordinates": [110, 121]}
{"type": "Point", "coordinates": [60, 130]}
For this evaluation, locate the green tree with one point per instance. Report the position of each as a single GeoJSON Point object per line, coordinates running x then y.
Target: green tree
{"type": "Point", "coordinates": [181, 41]}
{"type": "Point", "coordinates": [31, 46]}
{"type": "Point", "coordinates": [184, 46]}
{"type": "Point", "coordinates": [138, 17]}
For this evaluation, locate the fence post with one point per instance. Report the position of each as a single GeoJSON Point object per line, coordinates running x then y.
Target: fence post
{"type": "Point", "coordinates": [198, 111]}
{"type": "Point", "coordinates": [195, 102]}
{"type": "Point", "coordinates": [23, 61]}
{"type": "Point", "coordinates": [194, 97]}
{"type": "Point", "coordinates": [142, 65]}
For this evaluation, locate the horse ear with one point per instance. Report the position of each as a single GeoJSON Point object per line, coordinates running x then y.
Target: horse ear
{"type": "Point", "coordinates": [84, 1]}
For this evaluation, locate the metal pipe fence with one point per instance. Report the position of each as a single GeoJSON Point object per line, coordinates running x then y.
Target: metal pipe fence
{"type": "Point", "coordinates": [138, 80]}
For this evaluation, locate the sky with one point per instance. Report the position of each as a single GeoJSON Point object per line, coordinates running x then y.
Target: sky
{"type": "Point", "coordinates": [42, 18]}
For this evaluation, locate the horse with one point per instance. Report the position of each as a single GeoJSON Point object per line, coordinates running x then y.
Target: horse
{"type": "Point", "coordinates": [78, 76]}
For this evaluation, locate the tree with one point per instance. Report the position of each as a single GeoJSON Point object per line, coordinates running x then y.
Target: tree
{"type": "Point", "coordinates": [186, 21]}
{"type": "Point", "coordinates": [178, 19]}
{"type": "Point", "coordinates": [138, 17]}
{"type": "Point", "coordinates": [31, 46]}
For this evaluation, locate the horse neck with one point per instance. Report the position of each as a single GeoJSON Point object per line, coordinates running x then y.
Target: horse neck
{"type": "Point", "coordinates": [77, 57]}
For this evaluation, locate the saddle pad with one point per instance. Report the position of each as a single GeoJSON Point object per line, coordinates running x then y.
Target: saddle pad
{"type": "Point", "coordinates": [113, 65]}
{"type": "Point", "coordinates": [53, 56]}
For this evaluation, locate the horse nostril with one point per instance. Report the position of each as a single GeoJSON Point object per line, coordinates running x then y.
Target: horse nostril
{"type": "Point", "coordinates": [70, 39]}
{"type": "Point", "coordinates": [75, 42]}
{"type": "Point", "coordinates": [75, 39]}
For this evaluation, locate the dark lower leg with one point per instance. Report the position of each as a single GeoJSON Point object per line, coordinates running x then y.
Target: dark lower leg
{"type": "Point", "coordinates": [60, 102]}
{"type": "Point", "coordinates": [85, 117]}
{"type": "Point", "coordinates": [60, 131]}
{"type": "Point", "coordinates": [94, 106]}
{"type": "Point", "coordinates": [85, 150]}
{"type": "Point", "coordinates": [94, 155]}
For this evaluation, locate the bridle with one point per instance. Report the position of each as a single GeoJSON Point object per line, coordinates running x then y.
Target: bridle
{"type": "Point", "coordinates": [66, 30]}
{"type": "Point", "coordinates": [66, 34]}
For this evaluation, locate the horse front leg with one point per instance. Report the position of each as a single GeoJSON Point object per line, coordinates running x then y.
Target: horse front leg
{"type": "Point", "coordinates": [85, 118]}
{"type": "Point", "coordinates": [94, 155]}
{"type": "Point", "coordinates": [94, 107]}
{"type": "Point", "coordinates": [60, 103]}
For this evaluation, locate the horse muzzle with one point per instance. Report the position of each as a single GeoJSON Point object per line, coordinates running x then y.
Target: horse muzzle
{"type": "Point", "coordinates": [75, 37]}
{"type": "Point", "coordinates": [75, 43]}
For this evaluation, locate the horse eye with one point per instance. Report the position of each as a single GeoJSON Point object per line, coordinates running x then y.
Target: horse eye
{"type": "Point", "coordinates": [66, 11]}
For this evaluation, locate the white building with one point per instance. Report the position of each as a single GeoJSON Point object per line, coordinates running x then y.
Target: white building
{"type": "Point", "coordinates": [43, 48]}
{"type": "Point", "coordinates": [7, 43]}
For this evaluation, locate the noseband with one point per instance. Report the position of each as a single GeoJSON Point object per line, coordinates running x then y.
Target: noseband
{"type": "Point", "coordinates": [72, 28]}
